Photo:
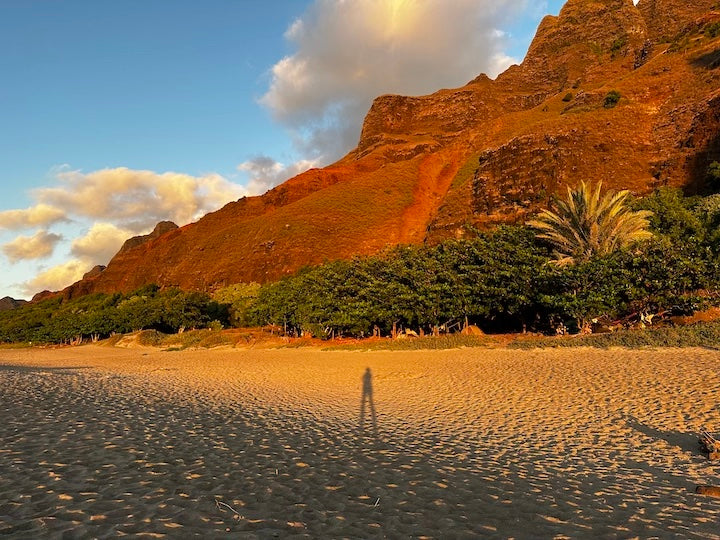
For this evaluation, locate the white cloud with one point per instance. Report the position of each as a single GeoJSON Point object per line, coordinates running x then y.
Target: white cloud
{"type": "Point", "coordinates": [137, 199]}
{"type": "Point", "coordinates": [38, 246]}
{"type": "Point", "coordinates": [40, 215]}
{"type": "Point", "coordinates": [112, 205]}
{"type": "Point", "coordinates": [97, 246]}
{"type": "Point", "coordinates": [55, 278]}
{"type": "Point", "coordinates": [100, 244]}
{"type": "Point", "coordinates": [349, 52]}
{"type": "Point", "coordinates": [266, 173]}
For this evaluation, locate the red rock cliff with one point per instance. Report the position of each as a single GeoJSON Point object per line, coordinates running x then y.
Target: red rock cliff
{"type": "Point", "coordinates": [428, 167]}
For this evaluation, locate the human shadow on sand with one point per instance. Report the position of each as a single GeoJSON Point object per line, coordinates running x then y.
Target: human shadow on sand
{"type": "Point", "coordinates": [367, 398]}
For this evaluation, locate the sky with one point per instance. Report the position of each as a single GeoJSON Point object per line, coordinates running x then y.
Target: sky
{"type": "Point", "coordinates": [117, 115]}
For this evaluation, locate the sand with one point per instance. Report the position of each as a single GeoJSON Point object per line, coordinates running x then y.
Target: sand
{"type": "Point", "coordinates": [101, 442]}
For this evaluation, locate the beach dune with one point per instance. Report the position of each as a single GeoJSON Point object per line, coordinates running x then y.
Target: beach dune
{"type": "Point", "coordinates": [102, 442]}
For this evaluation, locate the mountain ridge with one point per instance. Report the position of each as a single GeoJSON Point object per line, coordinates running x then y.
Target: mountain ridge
{"type": "Point", "coordinates": [493, 151]}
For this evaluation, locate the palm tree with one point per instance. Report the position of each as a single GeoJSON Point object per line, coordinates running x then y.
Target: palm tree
{"type": "Point", "coordinates": [586, 224]}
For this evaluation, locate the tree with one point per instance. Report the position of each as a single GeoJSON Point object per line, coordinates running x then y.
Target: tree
{"type": "Point", "coordinates": [239, 298]}
{"type": "Point", "coordinates": [586, 224]}
{"type": "Point", "coordinates": [673, 214]}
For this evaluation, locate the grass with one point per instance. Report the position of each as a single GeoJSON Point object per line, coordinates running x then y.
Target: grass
{"type": "Point", "coordinates": [467, 171]}
{"type": "Point", "coordinates": [113, 340]}
{"type": "Point", "coordinates": [203, 339]}
{"type": "Point", "coordinates": [150, 338]}
{"type": "Point", "coordinates": [296, 343]}
{"type": "Point", "coordinates": [695, 335]}
{"type": "Point", "coordinates": [713, 30]}
{"type": "Point", "coordinates": [23, 345]}
{"type": "Point", "coordinates": [702, 334]}
{"type": "Point", "coordinates": [451, 341]}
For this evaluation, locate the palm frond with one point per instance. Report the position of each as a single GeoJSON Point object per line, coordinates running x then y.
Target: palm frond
{"type": "Point", "coordinates": [587, 224]}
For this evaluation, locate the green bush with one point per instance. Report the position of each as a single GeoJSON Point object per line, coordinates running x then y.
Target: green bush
{"type": "Point", "coordinates": [617, 45]}
{"type": "Point", "coordinates": [713, 30]}
{"type": "Point", "coordinates": [489, 279]}
{"type": "Point", "coordinates": [150, 338]}
{"type": "Point", "coordinates": [239, 299]}
{"type": "Point", "coordinates": [611, 99]}
{"type": "Point", "coordinates": [713, 176]}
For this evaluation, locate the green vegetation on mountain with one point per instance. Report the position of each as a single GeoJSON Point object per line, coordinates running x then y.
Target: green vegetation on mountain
{"type": "Point", "coordinates": [611, 99]}
{"type": "Point", "coordinates": [502, 280]}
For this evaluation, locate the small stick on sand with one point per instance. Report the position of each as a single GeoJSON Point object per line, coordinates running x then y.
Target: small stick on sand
{"type": "Point", "coordinates": [218, 503]}
{"type": "Point", "coordinates": [376, 502]}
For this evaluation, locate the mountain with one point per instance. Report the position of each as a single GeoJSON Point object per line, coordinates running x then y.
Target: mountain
{"type": "Point", "coordinates": [8, 303]}
{"type": "Point", "coordinates": [493, 151]}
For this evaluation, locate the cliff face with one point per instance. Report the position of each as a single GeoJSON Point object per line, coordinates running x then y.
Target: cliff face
{"type": "Point", "coordinates": [665, 19]}
{"type": "Point", "coordinates": [428, 167]}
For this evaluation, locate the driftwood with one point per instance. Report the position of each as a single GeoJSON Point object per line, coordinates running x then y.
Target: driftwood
{"type": "Point", "coordinates": [709, 444]}
{"type": "Point", "coordinates": [710, 491]}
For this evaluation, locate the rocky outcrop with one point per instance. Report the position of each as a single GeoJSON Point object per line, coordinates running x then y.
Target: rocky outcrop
{"type": "Point", "coordinates": [432, 167]}
{"type": "Point", "coordinates": [665, 19]}
{"type": "Point", "coordinates": [96, 271]}
{"type": "Point", "coordinates": [160, 229]}
{"type": "Point", "coordinates": [583, 37]}
{"type": "Point", "coordinates": [8, 303]}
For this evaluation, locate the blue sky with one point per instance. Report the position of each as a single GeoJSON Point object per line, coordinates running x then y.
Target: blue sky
{"type": "Point", "coordinates": [162, 85]}
{"type": "Point", "coordinates": [118, 114]}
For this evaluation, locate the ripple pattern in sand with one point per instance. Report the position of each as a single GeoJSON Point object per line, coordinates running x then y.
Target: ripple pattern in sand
{"type": "Point", "coordinates": [103, 443]}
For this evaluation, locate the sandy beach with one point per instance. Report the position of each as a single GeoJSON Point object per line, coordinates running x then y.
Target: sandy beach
{"type": "Point", "coordinates": [101, 442]}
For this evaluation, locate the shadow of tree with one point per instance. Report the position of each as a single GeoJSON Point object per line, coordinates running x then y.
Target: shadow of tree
{"type": "Point", "coordinates": [687, 442]}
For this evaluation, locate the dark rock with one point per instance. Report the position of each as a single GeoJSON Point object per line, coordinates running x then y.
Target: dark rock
{"type": "Point", "coordinates": [8, 303]}
{"type": "Point", "coordinates": [160, 229]}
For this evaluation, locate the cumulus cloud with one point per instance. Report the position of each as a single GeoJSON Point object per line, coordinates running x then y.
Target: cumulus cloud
{"type": "Point", "coordinates": [265, 173]}
{"type": "Point", "coordinates": [100, 244]}
{"type": "Point", "coordinates": [97, 246]}
{"type": "Point", "coordinates": [137, 199]}
{"type": "Point", "coordinates": [41, 215]}
{"type": "Point", "coordinates": [37, 246]}
{"type": "Point", "coordinates": [55, 278]}
{"type": "Point", "coordinates": [112, 205]}
{"type": "Point", "coordinates": [347, 53]}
